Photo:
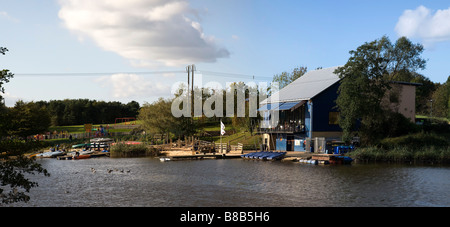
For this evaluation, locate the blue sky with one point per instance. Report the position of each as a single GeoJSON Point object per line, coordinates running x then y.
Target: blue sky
{"type": "Point", "coordinates": [137, 49]}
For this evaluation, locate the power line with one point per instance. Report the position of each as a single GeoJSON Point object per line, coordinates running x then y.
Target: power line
{"type": "Point", "coordinates": [91, 74]}
{"type": "Point", "coordinates": [233, 75]}
{"type": "Point", "coordinates": [147, 73]}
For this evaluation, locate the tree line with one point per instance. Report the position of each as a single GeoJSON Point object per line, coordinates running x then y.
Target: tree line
{"type": "Point", "coordinates": [30, 118]}
{"type": "Point", "coordinates": [85, 111]}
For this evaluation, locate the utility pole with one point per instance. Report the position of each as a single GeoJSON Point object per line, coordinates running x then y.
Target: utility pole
{"type": "Point", "coordinates": [188, 70]}
{"type": "Point", "coordinates": [190, 96]}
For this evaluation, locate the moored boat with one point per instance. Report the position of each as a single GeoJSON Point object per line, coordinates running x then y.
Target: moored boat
{"type": "Point", "coordinates": [81, 157]}
{"type": "Point", "coordinates": [50, 154]}
{"type": "Point", "coordinates": [164, 159]}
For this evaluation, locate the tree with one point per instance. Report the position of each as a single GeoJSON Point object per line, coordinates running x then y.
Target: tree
{"type": "Point", "coordinates": [13, 164]}
{"type": "Point", "coordinates": [5, 75]}
{"type": "Point", "coordinates": [365, 79]}
{"type": "Point", "coordinates": [441, 100]}
{"type": "Point", "coordinates": [286, 78]}
{"type": "Point", "coordinates": [28, 119]}
{"type": "Point", "coordinates": [157, 118]}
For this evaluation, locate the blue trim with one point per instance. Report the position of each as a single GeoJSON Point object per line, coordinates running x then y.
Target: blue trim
{"type": "Point", "coordinates": [287, 105]}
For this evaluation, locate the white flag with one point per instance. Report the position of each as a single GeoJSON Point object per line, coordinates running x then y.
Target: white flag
{"type": "Point", "coordinates": [222, 128]}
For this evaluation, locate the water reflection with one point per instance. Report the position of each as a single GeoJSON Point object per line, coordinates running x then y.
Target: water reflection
{"type": "Point", "coordinates": [148, 182]}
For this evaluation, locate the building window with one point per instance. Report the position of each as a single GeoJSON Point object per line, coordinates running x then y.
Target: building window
{"type": "Point", "coordinates": [333, 118]}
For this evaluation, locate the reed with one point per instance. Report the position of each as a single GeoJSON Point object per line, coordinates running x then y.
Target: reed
{"type": "Point", "coordinates": [122, 150]}
{"type": "Point", "coordinates": [403, 154]}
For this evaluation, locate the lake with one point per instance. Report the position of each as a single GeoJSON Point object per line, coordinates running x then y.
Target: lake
{"type": "Point", "coordinates": [147, 182]}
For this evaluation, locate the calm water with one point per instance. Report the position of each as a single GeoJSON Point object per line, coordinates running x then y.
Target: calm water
{"type": "Point", "coordinates": [237, 183]}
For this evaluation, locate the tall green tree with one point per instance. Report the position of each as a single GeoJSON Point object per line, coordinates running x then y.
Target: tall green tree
{"type": "Point", "coordinates": [28, 119]}
{"type": "Point", "coordinates": [365, 79]}
{"type": "Point", "coordinates": [157, 118]}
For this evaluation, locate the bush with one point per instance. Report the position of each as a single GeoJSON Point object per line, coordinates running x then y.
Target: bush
{"type": "Point", "coordinates": [122, 150]}
{"type": "Point", "coordinates": [368, 154]}
{"type": "Point", "coordinates": [18, 147]}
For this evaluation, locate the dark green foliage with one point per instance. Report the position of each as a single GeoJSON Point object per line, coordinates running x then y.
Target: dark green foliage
{"type": "Point", "coordinates": [27, 119]}
{"type": "Point", "coordinates": [122, 150]}
{"type": "Point", "coordinates": [157, 118]}
{"type": "Point", "coordinates": [13, 169]}
{"type": "Point", "coordinates": [416, 141]}
{"type": "Point", "coordinates": [13, 165]}
{"type": "Point", "coordinates": [365, 79]}
{"type": "Point", "coordinates": [85, 111]}
{"type": "Point", "coordinates": [441, 100]}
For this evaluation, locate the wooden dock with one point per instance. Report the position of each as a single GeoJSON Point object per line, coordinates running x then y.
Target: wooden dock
{"type": "Point", "coordinates": [205, 156]}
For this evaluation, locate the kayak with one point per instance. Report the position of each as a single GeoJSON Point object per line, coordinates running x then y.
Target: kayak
{"type": "Point", "coordinates": [81, 145]}
{"type": "Point", "coordinates": [81, 157]}
{"type": "Point", "coordinates": [50, 154]}
{"type": "Point", "coordinates": [128, 143]}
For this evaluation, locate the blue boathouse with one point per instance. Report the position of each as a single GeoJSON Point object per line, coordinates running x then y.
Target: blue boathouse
{"type": "Point", "coordinates": [306, 110]}
{"type": "Point", "coordinates": [307, 113]}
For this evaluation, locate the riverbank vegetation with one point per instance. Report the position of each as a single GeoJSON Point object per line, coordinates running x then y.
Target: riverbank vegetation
{"type": "Point", "coordinates": [123, 150]}
{"type": "Point", "coordinates": [367, 104]}
{"type": "Point", "coordinates": [431, 154]}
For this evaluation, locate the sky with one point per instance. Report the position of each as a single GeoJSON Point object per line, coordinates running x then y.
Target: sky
{"type": "Point", "coordinates": [115, 50]}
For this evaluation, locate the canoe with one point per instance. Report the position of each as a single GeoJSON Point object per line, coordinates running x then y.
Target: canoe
{"type": "Point", "coordinates": [101, 140]}
{"type": "Point", "coordinates": [82, 157]}
{"type": "Point", "coordinates": [81, 145]}
{"type": "Point", "coordinates": [86, 152]}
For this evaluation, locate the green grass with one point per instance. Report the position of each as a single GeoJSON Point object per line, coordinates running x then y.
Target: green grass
{"type": "Point", "coordinates": [417, 140]}
{"type": "Point", "coordinates": [74, 129]}
{"type": "Point", "coordinates": [433, 118]}
{"type": "Point", "coordinates": [418, 147]}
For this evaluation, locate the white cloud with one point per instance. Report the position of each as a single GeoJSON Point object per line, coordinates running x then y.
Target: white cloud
{"type": "Point", "coordinates": [7, 16]}
{"type": "Point", "coordinates": [147, 32]}
{"type": "Point", "coordinates": [131, 86]}
{"type": "Point", "coordinates": [423, 23]}
{"type": "Point", "coordinates": [10, 100]}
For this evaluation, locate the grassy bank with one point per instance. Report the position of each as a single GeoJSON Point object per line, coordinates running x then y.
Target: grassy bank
{"type": "Point", "coordinates": [413, 148]}
{"type": "Point", "coordinates": [75, 129]}
{"type": "Point", "coordinates": [403, 155]}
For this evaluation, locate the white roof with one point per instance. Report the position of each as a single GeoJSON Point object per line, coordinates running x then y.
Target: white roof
{"type": "Point", "coordinates": [305, 87]}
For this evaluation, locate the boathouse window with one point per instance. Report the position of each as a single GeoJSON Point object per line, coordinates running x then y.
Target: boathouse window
{"type": "Point", "coordinates": [333, 118]}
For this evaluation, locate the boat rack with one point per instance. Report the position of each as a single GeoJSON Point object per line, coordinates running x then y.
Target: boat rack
{"type": "Point", "coordinates": [265, 155]}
